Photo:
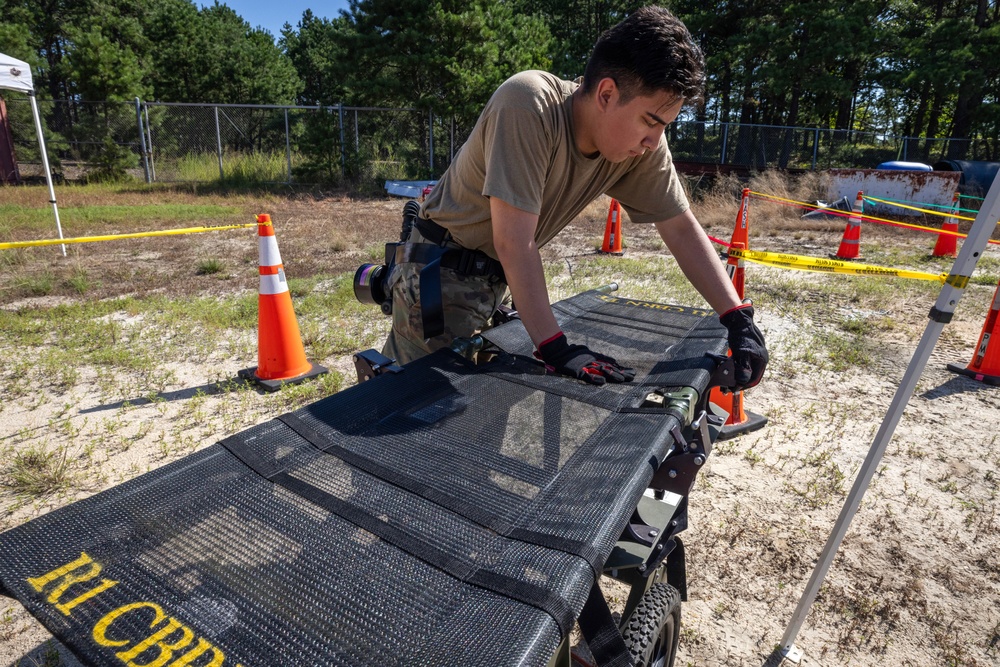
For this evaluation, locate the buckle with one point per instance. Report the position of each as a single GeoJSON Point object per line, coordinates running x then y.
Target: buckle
{"type": "Point", "coordinates": [466, 262]}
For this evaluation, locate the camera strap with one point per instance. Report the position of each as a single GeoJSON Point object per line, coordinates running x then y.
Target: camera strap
{"type": "Point", "coordinates": [434, 257]}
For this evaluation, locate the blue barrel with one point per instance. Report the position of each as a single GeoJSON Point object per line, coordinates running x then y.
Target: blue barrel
{"type": "Point", "coordinates": [977, 175]}
{"type": "Point", "coordinates": [905, 166]}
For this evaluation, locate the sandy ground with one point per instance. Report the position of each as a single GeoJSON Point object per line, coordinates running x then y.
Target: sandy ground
{"type": "Point", "coordinates": [915, 582]}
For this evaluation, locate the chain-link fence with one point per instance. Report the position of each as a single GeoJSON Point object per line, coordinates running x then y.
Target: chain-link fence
{"type": "Point", "coordinates": [364, 146]}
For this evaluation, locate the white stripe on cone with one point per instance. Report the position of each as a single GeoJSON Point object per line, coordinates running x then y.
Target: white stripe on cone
{"type": "Point", "coordinates": [268, 247]}
{"type": "Point", "coordinates": [274, 283]}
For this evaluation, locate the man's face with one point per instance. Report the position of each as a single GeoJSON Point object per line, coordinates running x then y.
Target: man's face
{"type": "Point", "coordinates": [630, 129]}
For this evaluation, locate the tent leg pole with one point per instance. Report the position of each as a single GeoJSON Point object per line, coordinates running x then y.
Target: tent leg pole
{"type": "Point", "coordinates": [45, 164]}
{"type": "Point", "coordinates": [940, 315]}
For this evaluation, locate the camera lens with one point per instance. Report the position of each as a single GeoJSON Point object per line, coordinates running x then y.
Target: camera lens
{"type": "Point", "coordinates": [369, 285]}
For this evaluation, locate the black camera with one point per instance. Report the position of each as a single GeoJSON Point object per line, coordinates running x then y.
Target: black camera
{"type": "Point", "coordinates": [371, 280]}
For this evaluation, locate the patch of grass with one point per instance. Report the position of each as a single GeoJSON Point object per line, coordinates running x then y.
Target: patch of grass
{"type": "Point", "coordinates": [238, 169]}
{"type": "Point", "coordinates": [12, 258]}
{"type": "Point", "coordinates": [58, 367]}
{"type": "Point", "coordinates": [986, 272]}
{"type": "Point", "coordinates": [237, 312]}
{"type": "Point", "coordinates": [38, 472]}
{"type": "Point", "coordinates": [645, 278]}
{"type": "Point", "coordinates": [87, 219]}
{"type": "Point", "coordinates": [210, 266]}
{"type": "Point", "coordinates": [79, 281]}
{"type": "Point", "coordinates": [38, 285]}
{"type": "Point", "coordinates": [823, 481]}
{"type": "Point", "coordinates": [866, 326]}
{"type": "Point", "coordinates": [845, 352]}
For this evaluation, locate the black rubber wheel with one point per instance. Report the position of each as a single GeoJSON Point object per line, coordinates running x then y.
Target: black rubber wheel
{"type": "Point", "coordinates": [653, 630]}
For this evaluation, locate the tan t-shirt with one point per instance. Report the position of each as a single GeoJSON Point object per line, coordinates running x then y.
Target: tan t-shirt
{"type": "Point", "coordinates": [522, 151]}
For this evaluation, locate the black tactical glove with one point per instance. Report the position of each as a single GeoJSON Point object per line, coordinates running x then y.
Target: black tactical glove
{"type": "Point", "coordinates": [579, 362]}
{"type": "Point", "coordinates": [747, 345]}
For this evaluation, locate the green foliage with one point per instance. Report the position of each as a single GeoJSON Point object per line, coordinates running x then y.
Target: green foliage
{"type": "Point", "coordinates": [111, 163]}
{"type": "Point", "coordinates": [320, 148]}
{"type": "Point", "coordinates": [575, 27]}
{"type": "Point", "coordinates": [315, 49]}
{"type": "Point", "coordinates": [103, 69]}
{"type": "Point", "coordinates": [911, 67]}
{"type": "Point", "coordinates": [447, 57]}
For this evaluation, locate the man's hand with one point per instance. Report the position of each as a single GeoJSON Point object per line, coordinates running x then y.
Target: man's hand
{"type": "Point", "coordinates": [747, 344]}
{"type": "Point", "coordinates": [579, 362]}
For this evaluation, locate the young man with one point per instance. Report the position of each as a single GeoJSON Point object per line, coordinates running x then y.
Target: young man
{"type": "Point", "coordinates": [542, 150]}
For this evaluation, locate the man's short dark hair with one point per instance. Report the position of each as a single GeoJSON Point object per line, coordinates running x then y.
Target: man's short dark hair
{"type": "Point", "coordinates": [648, 52]}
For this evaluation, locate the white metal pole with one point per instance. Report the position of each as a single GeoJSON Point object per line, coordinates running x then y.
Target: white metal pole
{"type": "Point", "coordinates": [45, 165]}
{"type": "Point", "coordinates": [941, 314]}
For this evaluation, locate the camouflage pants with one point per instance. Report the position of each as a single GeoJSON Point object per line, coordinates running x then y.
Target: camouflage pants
{"type": "Point", "coordinates": [468, 303]}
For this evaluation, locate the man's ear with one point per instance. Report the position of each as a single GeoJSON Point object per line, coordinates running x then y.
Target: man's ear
{"type": "Point", "coordinates": [606, 93]}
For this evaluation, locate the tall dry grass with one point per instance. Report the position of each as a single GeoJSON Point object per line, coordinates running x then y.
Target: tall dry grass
{"type": "Point", "coordinates": [717, 203]}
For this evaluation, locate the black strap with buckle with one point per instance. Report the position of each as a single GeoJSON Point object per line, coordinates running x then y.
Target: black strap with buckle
{"type": "Point", "coordinates": [435, 255]}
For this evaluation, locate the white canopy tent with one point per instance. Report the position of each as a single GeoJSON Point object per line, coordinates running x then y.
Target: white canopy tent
{"type": "Point", "coordinates": [16, 75]}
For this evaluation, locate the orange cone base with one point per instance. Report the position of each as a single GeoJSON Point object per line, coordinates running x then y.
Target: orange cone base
{"type": "Point", "coordinates": [250, 375]}
{"type": "Point", "coordinates": [947, 245]}
{"type": "Point", "coordinates": [975, 375]}
{"type": "Point", "coordinates": [843, 259]}
{"type": "Point", "coordinates": [740, 421]}
{"type": "Point", "coordinates": [752, 422]}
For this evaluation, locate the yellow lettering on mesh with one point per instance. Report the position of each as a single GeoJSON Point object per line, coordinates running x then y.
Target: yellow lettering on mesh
{"type": "Point", "coordinates": [193, 654]}
{"type": "Point", "coordinates": [101, 629]}
{"type": "Point", "coordinates": [159, 640]}
{"type": "Point", "coordinates": [64, 578]}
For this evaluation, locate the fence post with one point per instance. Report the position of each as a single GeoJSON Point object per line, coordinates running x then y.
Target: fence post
{"type": "Point", "coordinates": [142, 139]}
{"type": "Point", "coordinates": [218, 141]}
{"type": "Point", "coordinates": [725, 140]}
{"type": "Point", "coordinates": [343, 148]}
{"type": "Point", "coordinates": [288, 148]}
{"type": "Point", "coordinates": [149, 143]}
{"type": "Point", "coordinates": [430, 127]}
{"type": "Point", "coordinates": [815, 147]}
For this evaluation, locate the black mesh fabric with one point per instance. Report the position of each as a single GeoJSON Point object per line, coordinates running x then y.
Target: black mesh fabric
{"type": "Point", "coordinates": [451, 514]}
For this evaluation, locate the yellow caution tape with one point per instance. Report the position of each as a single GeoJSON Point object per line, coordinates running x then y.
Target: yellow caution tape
{"type": "Point", "coordinates": [870, 218]}
{"type": "Point", "coordinates": [805, 263]}
{"type": "Point", "coordinates": [958, 281]}
{"type": "Point", "coordinates": [919, 210]}
{"type": "Point", "coordinates": [115, 237]}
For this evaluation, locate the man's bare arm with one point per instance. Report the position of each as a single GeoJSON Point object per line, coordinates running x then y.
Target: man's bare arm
{"type": "Point", "coordinates": [514, 240]}
{"type": "Point", "coordinates": [698, 260]}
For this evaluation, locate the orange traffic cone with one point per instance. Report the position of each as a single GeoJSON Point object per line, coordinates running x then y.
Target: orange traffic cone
{"type": "Point", "coordinates": [613, 230]}
{"type": "Point", "coordinates": [947, 245]}
{"type": "Point", "coordinates": [852, 233]}
{"type": "Point", "coordinates": [739, 420]}
{"type": "Point", "coordinates": [740, 241]}
{"type": "Point", "coordinates": [985, 364]}
{"type": "Point", "coordinates": [281, 358]}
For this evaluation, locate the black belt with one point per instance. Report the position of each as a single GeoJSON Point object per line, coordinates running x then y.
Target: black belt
{"type": "Point", "coordinates": [434, 256]}
{"type": "Point", "coordinates": [432, 231]}
{"type": "Point", "coordinates": [460, 260]}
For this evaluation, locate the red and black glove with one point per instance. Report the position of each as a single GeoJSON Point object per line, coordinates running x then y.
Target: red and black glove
{"type": "Point", "coordinates": [579, 362]}
{"type": "Point", "coordinates": [747, 345]}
